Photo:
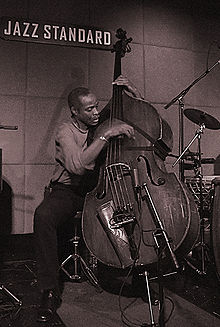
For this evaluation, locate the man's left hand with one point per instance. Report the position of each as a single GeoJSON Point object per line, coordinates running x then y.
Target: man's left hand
{"type": "Point", "coordinates": [129, 86]}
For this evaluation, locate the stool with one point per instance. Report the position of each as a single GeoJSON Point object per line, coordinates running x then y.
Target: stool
{"type": "Point", "coordinates": [78, 261]}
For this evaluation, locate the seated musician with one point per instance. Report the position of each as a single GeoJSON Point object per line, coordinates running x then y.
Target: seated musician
{"type": "Point", "coordinates": [75, 158]}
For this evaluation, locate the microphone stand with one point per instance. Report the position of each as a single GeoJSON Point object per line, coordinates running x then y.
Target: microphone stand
{"type": "Point", "coordinates": [162, 244]}
{"type": "Point", "coordinates": [180, 97]}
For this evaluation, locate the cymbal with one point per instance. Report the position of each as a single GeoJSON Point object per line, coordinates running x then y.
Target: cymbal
{"type": "Point", "coordinates": [200, 117]}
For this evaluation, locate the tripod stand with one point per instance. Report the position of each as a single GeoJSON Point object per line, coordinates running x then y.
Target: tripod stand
{"type": "Point", "coordinates": [78, 261]}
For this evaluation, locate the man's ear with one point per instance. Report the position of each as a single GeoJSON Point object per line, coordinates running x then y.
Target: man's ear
{"type": "Point", "coordinates": [73, 111]}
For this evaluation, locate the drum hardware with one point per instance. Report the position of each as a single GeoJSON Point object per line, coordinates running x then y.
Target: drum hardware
{"type": "Point", "coordinates": [192, 183]}
{"type": "Point", "coordinates": [189, 166]}
{"type": "Point", "coordinates": [197, 136]}
{"type": "Point", "coordinates": [203, 120]}
{"type": "Point", "coordinates": [180, 99]}
{"type": "Point", "coordinates": [194, 157]}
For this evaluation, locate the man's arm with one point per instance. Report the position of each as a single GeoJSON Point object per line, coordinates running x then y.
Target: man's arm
{"type": "Point", "coordinates": [76, 156]}
{"type": "Point", "coordinates": [117, 129]}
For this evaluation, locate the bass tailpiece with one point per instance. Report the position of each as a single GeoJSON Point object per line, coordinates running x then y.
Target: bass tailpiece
{"type": "Point", "coordinates": [121, 217]}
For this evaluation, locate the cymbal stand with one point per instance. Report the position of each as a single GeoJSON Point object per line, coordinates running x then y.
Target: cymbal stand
{"type": "Point", "coordinates": [179, 98]}
{"type": "Point", "coordinates": [202, 244]}
{"type": "Point", "coordinates": [162, 243]}
{"type": "Point", "coordinates": [197, 135]}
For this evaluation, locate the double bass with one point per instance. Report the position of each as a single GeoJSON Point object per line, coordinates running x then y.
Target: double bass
{"type": "Point", "coordinates": [117, 222]}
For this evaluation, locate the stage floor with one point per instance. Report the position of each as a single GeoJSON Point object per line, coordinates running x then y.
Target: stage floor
{"type": "Point", "coordinates": [191, 299]}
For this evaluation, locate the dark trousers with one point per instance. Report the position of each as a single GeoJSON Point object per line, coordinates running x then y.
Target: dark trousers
{"type": "Point", "coordinates": [58, 207]}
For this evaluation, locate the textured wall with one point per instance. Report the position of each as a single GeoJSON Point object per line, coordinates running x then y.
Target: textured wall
{"type": "Point", "coordinates": [169, 50]}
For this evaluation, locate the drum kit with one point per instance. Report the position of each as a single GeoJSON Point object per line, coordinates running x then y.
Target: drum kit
{"type": "Point", "coordinates": [202, 189]}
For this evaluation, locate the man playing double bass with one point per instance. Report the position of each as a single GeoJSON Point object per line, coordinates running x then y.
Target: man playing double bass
{"type": "Point", "coordinates": [75, 175]}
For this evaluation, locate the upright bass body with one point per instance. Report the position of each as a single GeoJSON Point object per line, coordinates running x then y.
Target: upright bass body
{"type": "Point", "coordinates": [141, 157]}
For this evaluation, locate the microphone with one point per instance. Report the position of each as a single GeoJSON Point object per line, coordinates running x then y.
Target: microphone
{"type": "Point", "coordinates": [136, 178]}
{"type": "Point", "coordinates": [8, 127]}
{"type": "Point", "coordinates": [137, 187]}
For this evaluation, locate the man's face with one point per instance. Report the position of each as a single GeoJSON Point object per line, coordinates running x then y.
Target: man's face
{"type": "Point", "coordinates": [87, 114]}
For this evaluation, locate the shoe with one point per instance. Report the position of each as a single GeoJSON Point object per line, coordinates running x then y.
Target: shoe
{"type": "Point", "coordinates": [50, 301]}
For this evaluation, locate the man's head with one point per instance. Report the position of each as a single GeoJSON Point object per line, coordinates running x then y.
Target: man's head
{"type": "Point", "coordinates": [83, 105]}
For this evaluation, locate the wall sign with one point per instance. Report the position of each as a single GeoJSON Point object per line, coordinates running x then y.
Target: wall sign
{"type": "Point", "coordinates": [60, 34]}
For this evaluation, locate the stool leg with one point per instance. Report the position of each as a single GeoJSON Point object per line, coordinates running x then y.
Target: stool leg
{"type": "Point", "coordinates": [75, 276]}
{"type": "Point", "coordinates": [75, 256]}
